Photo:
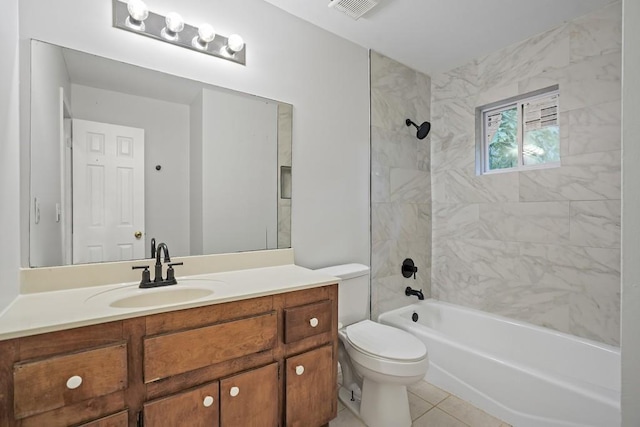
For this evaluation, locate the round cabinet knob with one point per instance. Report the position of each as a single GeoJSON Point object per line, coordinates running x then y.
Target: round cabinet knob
{"type": "Point", "coordinates": [234, 391]}
{"type": "Point", "coordinates": [299, 370]}
{"type": "Point", "coordinates": [74, 382]}
{"type": "Point", "coordinates": [313, 322]}
{"type": "Point", "coordinates": [208, 401]}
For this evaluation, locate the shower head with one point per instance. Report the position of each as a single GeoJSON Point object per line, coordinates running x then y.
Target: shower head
{"type": "Point", "coordinates": [423, 129]}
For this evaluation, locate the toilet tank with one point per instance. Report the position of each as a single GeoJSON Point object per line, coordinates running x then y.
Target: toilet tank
{"type": "Point", "coordinates": [353, 291]}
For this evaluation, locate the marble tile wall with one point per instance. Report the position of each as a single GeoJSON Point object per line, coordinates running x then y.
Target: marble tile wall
{"type": "Point", "coordinates": [285, 136]}
{"type": "Point", "coordinates": [543, 245]}
{"type": "Point", "coordinates": [400, 182]}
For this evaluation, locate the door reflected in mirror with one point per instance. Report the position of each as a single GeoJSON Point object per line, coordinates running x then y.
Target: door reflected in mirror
{"type": "Point", "coordinates": [121, 154]}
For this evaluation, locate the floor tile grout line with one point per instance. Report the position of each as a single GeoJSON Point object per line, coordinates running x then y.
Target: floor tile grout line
{"type": "Point", "coordinates": [436, 407]}
{"type": "Point", "coordinates": [423, 415]}
{"type": "Point", "coordinates": [421, 398]}
{"type": "Point", "coordinates": [453, 416]}
{"type": "Point", "coordinates": [424, 400]}
{"type": "Point", "coordinates": [430, 403]}
{"type": "Point", "coordinates": [472, 406]}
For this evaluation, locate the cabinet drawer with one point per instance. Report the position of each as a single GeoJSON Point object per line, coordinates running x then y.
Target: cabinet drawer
{"type": "Point", "coordinates": [63, 380]}
{"type": "Point", "coordinates": [195, 408]}
{"type": "Point", "coordinates": [180, 352]}
{"type": "Point", "coordinates": [306, 320]}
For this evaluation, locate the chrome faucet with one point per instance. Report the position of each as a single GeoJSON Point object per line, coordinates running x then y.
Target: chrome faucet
{"type": "Point", "coordinates": [146, 281]}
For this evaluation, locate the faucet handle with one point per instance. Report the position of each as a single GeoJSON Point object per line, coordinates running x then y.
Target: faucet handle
{"type": "Point", "coordinates": [171, 264]}
{"type": "Point", "coordinates": [146, 275]}
{"type": "Point", "coordinates": [171, 277]}
{"type": "Point", "coordinates": [409, 268]}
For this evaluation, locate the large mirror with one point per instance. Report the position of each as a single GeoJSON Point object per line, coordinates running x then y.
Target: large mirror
{"type": "Point", "coordinates": [121, 155]}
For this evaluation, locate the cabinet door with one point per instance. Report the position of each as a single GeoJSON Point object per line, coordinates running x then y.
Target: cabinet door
{"type": "Point", "coordinates": [250, 399]}
{"type": "Point", "coordinates": [311, 388]}
{"type": "Point", "coordinates": [194, 408]}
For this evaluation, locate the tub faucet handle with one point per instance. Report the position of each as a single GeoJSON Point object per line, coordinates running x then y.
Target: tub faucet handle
{"type": "Point", "coordinates": [409, 268]}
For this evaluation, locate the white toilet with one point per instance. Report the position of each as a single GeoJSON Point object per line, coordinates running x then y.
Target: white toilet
{"type": "Point", "coordinates": [377, 361]}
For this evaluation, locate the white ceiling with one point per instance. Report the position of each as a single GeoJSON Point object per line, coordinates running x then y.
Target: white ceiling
{"type": "Point", "coordinates": [437, 35]}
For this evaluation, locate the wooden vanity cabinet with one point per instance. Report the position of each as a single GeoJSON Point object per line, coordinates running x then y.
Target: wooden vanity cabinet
{"type": "Point", "coordinates": [263, 362]}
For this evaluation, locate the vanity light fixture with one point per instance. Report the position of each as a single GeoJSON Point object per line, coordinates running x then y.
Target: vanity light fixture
{"type": "Point", "coordinates": [134, 16]}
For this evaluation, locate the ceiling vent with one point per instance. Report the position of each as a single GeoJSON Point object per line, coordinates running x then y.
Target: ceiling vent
{"type": "Point", "coordinates": [353, 8]}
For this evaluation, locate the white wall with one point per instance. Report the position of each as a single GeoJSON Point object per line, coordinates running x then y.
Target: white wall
{"type": "Point", "coordinates": [630, 318]}
{"type": "Point", "coordinates": [9, 160]}
{"type": "Point", "coordinates": [166, 126]}
{"type": "Point", "coordinates": [49, 74]}
{"type": "Point", "coordinates": [323, 76]}
{"type": "Point", "coordinates": [239, 158]}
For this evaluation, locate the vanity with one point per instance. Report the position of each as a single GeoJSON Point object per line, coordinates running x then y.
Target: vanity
{"type": "Point", "coordinates": [260, 349]}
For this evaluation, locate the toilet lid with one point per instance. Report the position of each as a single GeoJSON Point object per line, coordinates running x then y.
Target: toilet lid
{"type": "Point", "coordinates": [385, 341]}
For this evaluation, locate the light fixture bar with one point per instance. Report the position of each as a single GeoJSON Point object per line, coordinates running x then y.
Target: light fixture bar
{"type": "Point", "coordinates": [155, 23]}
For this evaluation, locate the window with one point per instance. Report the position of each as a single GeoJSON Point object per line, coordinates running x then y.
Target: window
{"type": "Point", "coordinates": [519, 133]}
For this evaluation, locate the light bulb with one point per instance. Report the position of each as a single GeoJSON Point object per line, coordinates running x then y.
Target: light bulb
{"type": "Point", "coordinates": [138, 11]}
{"type": "Point", "coordinates": [235, 43]}
{"type": "Point", "coordinates": [206, 33]}
{"type": "Point", "coordinates": [175, 24]}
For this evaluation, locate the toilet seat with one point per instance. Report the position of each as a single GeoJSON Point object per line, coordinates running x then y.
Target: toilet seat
{"type": "Point", "coordinates": [385, 342]}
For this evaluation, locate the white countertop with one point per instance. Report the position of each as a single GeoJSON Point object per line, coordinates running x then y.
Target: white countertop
{"type": "Point", "coordinates": [36, 313]}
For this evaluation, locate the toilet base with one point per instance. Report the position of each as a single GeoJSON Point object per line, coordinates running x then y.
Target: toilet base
{"type": "Point", "coordinates": [382, 405]}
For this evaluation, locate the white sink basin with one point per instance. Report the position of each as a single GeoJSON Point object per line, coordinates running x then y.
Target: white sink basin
{"type": "Point", "coordinates": [131, 296]}
{"type": "Point", "coordinates": [163, 297]}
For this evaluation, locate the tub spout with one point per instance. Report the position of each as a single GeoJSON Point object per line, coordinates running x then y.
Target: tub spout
{"type": "Point", "coordinates": [408, 292]}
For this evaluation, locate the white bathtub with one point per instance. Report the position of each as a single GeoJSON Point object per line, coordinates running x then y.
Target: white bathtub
{"type": "Point", "coordinates": [526, 375]}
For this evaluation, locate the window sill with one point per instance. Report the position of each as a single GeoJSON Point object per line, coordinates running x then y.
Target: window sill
{"type": "Point", "coordinates": [523, 168]}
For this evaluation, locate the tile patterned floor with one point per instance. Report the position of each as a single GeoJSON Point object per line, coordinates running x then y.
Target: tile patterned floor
{"type": "Point", "coordinates": [431, 407]}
